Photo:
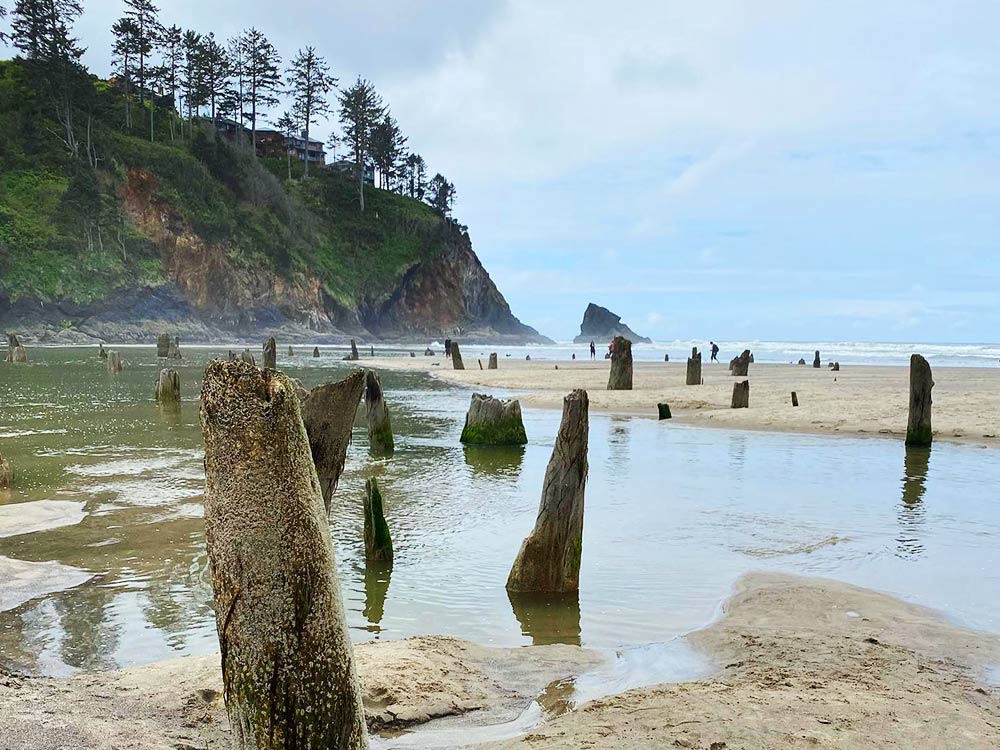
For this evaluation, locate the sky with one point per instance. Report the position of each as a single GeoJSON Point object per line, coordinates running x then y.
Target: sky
{"type": "Point", "coordinates": [734, 169]}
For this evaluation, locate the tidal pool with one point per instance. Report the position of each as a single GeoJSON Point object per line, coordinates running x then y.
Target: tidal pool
{"type": "Point", "coordinates": [674, 515]}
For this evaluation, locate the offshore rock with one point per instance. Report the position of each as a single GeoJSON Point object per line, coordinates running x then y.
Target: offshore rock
{"type": "Point", "coordinates": [600, 324]}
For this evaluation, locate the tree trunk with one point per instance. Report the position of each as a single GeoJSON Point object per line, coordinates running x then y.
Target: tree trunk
{"type": "Point", "coordinates": [168, 386]}
{"type": "Point", "coordinates": [162, 345]}
{"type": "Point", "coordinates": [380, 442]}
{"type": "Point", "coordinates": [740, 366]}
{"type": "Point", "coordinates": [378, 542]}
{"type": "Point", "coordinates": [549, 559]}
{"type": "Point", "coordinates": [741, 395]}
{"type": "Point", "coordinates": [492, 364]}
{"type": "Point", "coordinates": [271, 354]}
{"type": "Point", "coordinates": [287, 662]}
{"type": "Point", "coordinates": [315, 351]}
{"type": "Point", "coordinates": [918, 428]}
{"type": "Point", "coordinates": [694, 367]}
{"type": "Point", "coordinates": [328, 413]}
{"type": "Point", "coordinates": [816, 362]}
{"type": "Point", "coordinates": [620, 378]}
{"type": "Point", "coordinates": [493, 421]}
{"type": "Point", "coordinates": [456, 357]}
{"type": "Point", "coordinates": [354, 351]}
{"type": "Point", "coordinates": [114, 363]}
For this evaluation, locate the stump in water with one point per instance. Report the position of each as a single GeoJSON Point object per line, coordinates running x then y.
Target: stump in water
{"type": "Point", "coordinates": [354, 352]}
{"type": "Point", "coordinates": [816, 362]}
{"type": "Point", "coordinates": [741, 364]}
{"type": "Point", "coordinates": [378, 543]}
{"type": "Point", "coordinates": [162, 345]}
{"type": "Point", "coordinates": [168, 386]}
{"type": "Point", "coordinates": [100, 352]}
{"type": "Point", "coordinates": [549, 559]}
{"type": "Point", "coordinates": [232, 356]}
{"type": "Point", "coordinates": [694, 367]}
{"type": "Point", "coordinates": [620, 377]}
{"type": "Point", "coordinates": [380, 442]}
{"type": "Point", "coordinates": [315, 351]}
{"type": "Point", "coordinates": [175, 349]}
{"type": "Point", "coordinates": [271, 353]}
{"type": "Point", "coordinates": [6, 474]}
{"type": "Point", "coordinates": [413, 354]}
{"type": "Point", "coordinates": [492, 364]}
{"type": "Point", "coordinates": [328, 413]}
{"type": "Point", "coordinates": [663, 410]}
{"type": "Point", "coordinates": [115, 364]}
{"type": "Point", "coordinates": [456, 357]}
{"type": "Point", "coordinates": [15, 351]}
{"type": "Point", "coordinates": [287, 662]}
{"type": "Point", "coordinates": [795, 399]}
{"type": "Point", "coordinates": [741, 395]}
{"type": "Point", "coordinates": [291, 353]}
{"type": "Point", "coordinates": [493, 421]}
{"type": "Point", "coordinates": [918, 427]}
{"type": "Point", "coordinates": [247, 357]}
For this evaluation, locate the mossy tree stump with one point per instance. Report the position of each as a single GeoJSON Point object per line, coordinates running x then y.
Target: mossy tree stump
{"type": "Point", "coordinates": [620, 377]}
{"type": "Point", "coordinates": [493, 421]}
{"type": "Point", "coordinates": [492, 364]}
{"type": "Point", "coordinates": [15, 350]}
{"type": "Point", "coordinates": [287, 663]}
{"type": "Point", "coordinates": [740, 366]}
{"type": "Point", "coordinates": [918, 426]}
{"type": "Point", "coordinates": [456, 357]}
{"type": "Point", "coordinates": [741, 395]}
{"type": "Point", "coordinates": [271, 353]}
{"type": "Point", "coordinates": [816, 363]}
{"type": "Point", "coordinates": [162, 345]}
{"type": "Point", "coordinates": [168, 386]}
{"type": "Point", "coordinates": [694, 367]}
{"type": "Point", "coordinates": [380, 441]}
{"type": "Point", "coordinates": [114, 363]}
{"type": "Point", "coordinates": [378, 542]}
{"type": "Point", "coordinates": [549, 559]}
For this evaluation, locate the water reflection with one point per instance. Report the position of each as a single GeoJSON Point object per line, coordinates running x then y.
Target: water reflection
{"type": "Point", "coordinates": [503, 460]}
{"type": "Point", "coordinates": [619, 455]}
{"type": "Point", "coordinates": [912, 510]}
{"type": "Point", "coordinates": [169, 412]}
{"type": "Point", "coordinates": [548, 618]}
{"type": "Point", "coordinates": [377, 576]}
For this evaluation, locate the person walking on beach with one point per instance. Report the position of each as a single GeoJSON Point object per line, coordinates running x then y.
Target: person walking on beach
{"type": "Point", "coordinates": [715, 351]}
{"type": "Point", "coordinates": [593, 351]}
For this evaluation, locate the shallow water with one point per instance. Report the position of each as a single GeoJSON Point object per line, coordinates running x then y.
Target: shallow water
{"type": "Point", "coordinates": [674, 515]}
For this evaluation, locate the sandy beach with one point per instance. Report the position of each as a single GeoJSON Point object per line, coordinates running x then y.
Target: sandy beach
{"type": "Point", "coordinates": [857, 400]}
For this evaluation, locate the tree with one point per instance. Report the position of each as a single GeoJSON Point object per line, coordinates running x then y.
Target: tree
{"type": "Point", "coordinates": [234, 96]}
{"type": "Point", "coordinates": [388, 151]}
{"type": "Point", "coordinates": [262, 72]}
{"type": "Point", "coordinates": [173, 61]}
{"type": "Point", "coordinates": [309, 81]}
{"type": "Point", "coordinates": [193, 80]}
{"type": "Point", "coordinates": [441, 195]}
{"type": "Point", "coordinates": [4, 37]}
{"type": "Point", "coordinates": [122, 60]}
{"type": "Point", "coordinates": [288, 127]}
{"type": "Point", "coordinates": [214, 66]}
{"type": "Point", "coordinates": [360, 109]}
{"type": "Point", "coordinates": [148, 29]}
{"type": "Point", "coordinates": [416, 176]}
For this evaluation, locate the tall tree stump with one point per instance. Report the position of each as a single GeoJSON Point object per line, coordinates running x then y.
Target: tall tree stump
{"type": "Point", "coordinates": [456, 357]}
{"type": "Point", "coordinates": [114, 363]}
{"type": "Point", "coordinates": [740, 366]}
{"type": "Point", "coordinates": [287, 662]}
{"type": "Point", "coordinates": [168, 386]}
{"type": "Point", "coordinates": [291, 352]}
{"type": "Point", "coordinates": [247, 358]}
{"type": "Point", "coordinates": [354, 351]}
{"type": "Point", "coordinates": [620, 377]}
{"type": "Point", "coordinates": [6, 474]}
{"type": "Point", "coordinates": [492, 364]}
{"type": "Point", "coordinates": [378, 542]}
{"type": "Point", "coordinates": [271, 353]}
{"type": "Point", "coordinates": [663, 411]}
{"type": "Point", "coordinates": [328, 413]}
{"type": "Point", "coordinates": [694, 367]}
{"type": "Point", "coordinates": [741, 395]}
{"type": "Point", "coordinates": [315, 351]}
{"type": "Point", "coordinates": [15, 350]}
{"type": "Point", "coordinates": [175, 349]}
{"type": "Point", "coordinates": [163, 345]}
{"type": "Point", "coordinates": [493, 421]}
{"type": "Point", "coordinates": [101, 354]}
{"type": "Point", "coordinates": [549, 559]}
{"type": "Point", "coordinates": [380, 442]}
{"type": "Point", "coordinates": [816, 362]}
{"type": "Point", "coordinates": [918, 427]}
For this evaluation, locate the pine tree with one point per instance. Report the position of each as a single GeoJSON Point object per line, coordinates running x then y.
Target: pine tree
{"type": "Point", "coordinates": [148, 29]}
{"type": "Point", "coordinates": [123, 52]}
{"type": "Point", "coordinates": [388, 151]}
{"type": "Point", "coordinates": [416, 176]}
{"type": "Point", "coordinates": [441, 195]}
{"type": "Point", "coordinates": [288, 127]}
{"type": "Point", "coordinates": [309, 81]}
{"type": "Point", "coordinates": [263, 76]}
{"type": "Point", "coordinates": [360, 109]}
{"type": "Point", "coordinates": [173, 61]}
{"type": "Point", "coordinates": [234, 96]}
{"type": "Point", "coordinates": [214, 67]}
{"type": "Point", "coordinates": [193, 75]}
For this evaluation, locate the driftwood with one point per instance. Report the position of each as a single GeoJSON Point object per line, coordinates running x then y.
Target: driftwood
{"type": "Point", "coordinates": [380, 442]}
{"type": "Point", "coordinates": [740, 365]}
{"type": "Point", "coordinates": [663, 411]}
{"type": "Point", "coordinates": [378, 542]}
{"type": "Point", "coordinates": [456, 357]}
{"type": "Point", "coordinates": [287, 663]}
{"type": "Point", "coordinates": [620, 377]}
{"type": "Point", "coordinates": [168, 386]}
{"type": "Point", "coordinates": [549, 559]}
{"type": "Point", "coordinates": [271, 353]}
{"type": "Point", "coordinates": [492, 364]}
{"type": "Point", "coordinates": [918, 426]}
{"type": "Point", "coordinates": [163, 345]}
{"type": "Point", "coordinates": [114, 363]}
{"type": "Point", "coordinates": [493, 421]}
{"type": "Point", "coordinates": [741, 395]}
{"type": "Point", "coordinates": [694, 367]}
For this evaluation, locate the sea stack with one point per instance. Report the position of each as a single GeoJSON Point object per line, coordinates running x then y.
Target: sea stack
{"type": "Point", "coordinates": [456, 357]}
{"type": "Point", "coordinates": [493, 421]}
{"type": "Point", "coordinates": [175, 349]}
{"type": "Point", "coordinates": [492, 364]}
{"type": "Point", "coordinates": [918, 427]}
{"type": "Point", "coordinates": [620, 377]}
{"type": "Point", "coordinates": [354, 352]}
{"type": "Point", "coordinates": [15, 351]}
{"type": "Point", "coordinates": [287, 662]}
{"type": "Point", "coordinates": [741, 395]}
{"type": "Point", "coordinates": [114, 363]}
{"type": "Point", "coordinates": [271, 353]}
{"type": "Point", "coordinates": [380, 442]}
{"type": "Point", "coordinates": [168, 386]}
{"type": "Point", "coordinates": [163, 345]}
{"type": "Point", "coordinates": [600, 324]}
{"type": "Point", "coordinates": [816, 362]}
{"type": "Point", "coordinates": [378, 542]}
{"type": "Point", "coordinates": [740, 366]}
{"type": "Point", "coordinates": [694, 367]}
{"type": "Point", "coordinates": [549, 559]}
{"type": "Point", "coordinates": [328, 413]}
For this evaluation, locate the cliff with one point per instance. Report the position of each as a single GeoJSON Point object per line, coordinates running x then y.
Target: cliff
{"type": "Point", "coordinates": [601, 325]}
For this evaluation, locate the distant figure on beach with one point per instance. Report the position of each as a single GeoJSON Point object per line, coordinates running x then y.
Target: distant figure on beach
{"type": "Point", "coordinates": [447, 347]}
{"type": "Point", "coordinates": [715, 351]}
{"type": "Point", "coordinates": [593, 351]}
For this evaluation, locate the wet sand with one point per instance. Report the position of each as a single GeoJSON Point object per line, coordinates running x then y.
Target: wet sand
{"type": "Point", "coordinates": [857, 400]}
{"type": "Point", "coordinates": [801, 663]}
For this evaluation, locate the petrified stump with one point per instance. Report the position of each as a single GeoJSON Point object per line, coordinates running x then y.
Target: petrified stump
{"type": "Point", "coordinates": [378, 543]}
{"type": "Point", "coordinates": [492, 364]}
{"type": "Point", "coordinates": [549, 559]}
{"type": "Point", "coordinates": [15, 351]}
{"type": "Point", "coordinates": [114, 363]}
{"type": "Point", "coordinates": [620, 377]}
{"type": "Point", "coordinates": [247, 357]}
{"type": "Point", "coordinates": [741, 395]}
{"type": "Point", "coordinates": [740, 365]}
{"type": "Point", "coordinates": [694, 367]}
{"type": "Point", "coordinates": [315, 351]}
{"type": "Point", "coordinates": [380, 442]}
{"type": "Point", "coordinates": [816, 362]}
{"type": "Point", "coordinates": [175, 349]}
{"type": "Point", "coordinates": [6, 474]}
{"type": "Point", "coordinates": [456, 357]}
{"type": "Point", "coordinates": [271, 353]}
{"type": "Point", "coordinates": [328, 413]}
{"type": "Point", "coordinates": [354, 351]}
{"type": "Point", "coordinates": [287, 663]}
{"type": "Point", "coordinates": [168, 386]}
{"type": "Point", "coordinates": [663, 410]}
{"type": "Point", "coordinates": [162, 345]}
{"type": "Point", "coordinates": [918, 428]}
{"type": "Point", "coordinates": [100, 352]}
{"type": "Point", "coordinates": [493, 421]}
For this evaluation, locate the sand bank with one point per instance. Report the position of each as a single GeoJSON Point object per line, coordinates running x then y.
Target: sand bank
{"type": "Point", "coordinates": [861, 400]}
{"type": "Point", "coordinates": [802, 663]}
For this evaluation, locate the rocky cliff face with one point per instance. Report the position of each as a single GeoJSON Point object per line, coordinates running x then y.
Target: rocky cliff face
{"type": "Point", "coordinates": [601, 325]}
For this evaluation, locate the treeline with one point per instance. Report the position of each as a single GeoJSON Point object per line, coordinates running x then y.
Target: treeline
{"type": "Point", "coordinates": [194, 76]}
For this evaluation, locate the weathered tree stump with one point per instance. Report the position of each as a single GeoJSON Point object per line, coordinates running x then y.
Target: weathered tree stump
{"type": "Point", "coordinates": [114, 363]}
{"type": "Point", "coordinates": [493, 421]}
{"type": "Point", "coordinates": [328, 413]}
{"type": "Point", "coordinates": [378, 542]}
{"type": "Point", "coordinates": [168, 386]}
{"type": "Point", "coordinates": [620, 377]}
{"type": "Point", "coordinates": [549, 559]}
{"type": "Point", "coordinates": [373, 350]}
{"type": "Point", "coordinates": [247, 357]}
{"type": "Point", "coordinates": [816, 362]}
{"type": "Point", "coordinates": [232, 356]}
{"type": "Point", "coordinates": [291, 352]}
{"type": "Point", "coordinates": [836, 367]}
{"type": "Point", "coordinates": [354, 351]}
{"type": "Point", "coordinates": [380, 442]}
{"type": "Point", "coordinates": [15, 350]}
{"type": "Point", "coordinates": [428, 352]}
{"type": "Point", "coordinates": [666, 357]}
{"type": "Point", "coordinates": [795, 399]}
{"type": "Point", "coordinates": [918, 427]}
{"type": "Point", "coordinates": [694, 367]}
{"type": "Point", "coordinates": [492, 364]}
{"type": "Point", "coordinates": [271, 353]}
{"type": "Point", "coordinates": [480, 363]}
{"type": "Point", "coordinates": [802, 360]}
{"type": "Point", "coordinates": [456, 356]}
{"type": "Point", "coordinates": [163, 345]}
{"type": "Point", "coordinates": [287, 662]}
{"type": "Point", "coordinates": [6, 473]}
{"type": "Point", "coordinates": [740, 365]}
{"type": "Point", "coordinates": [315, 351]}
{"type": "Point", "coordinates": [663, 410]}
{"type": "Point", "coordinates": [413, 355]}
{"type": "Point", "coordinates": [741, 395]}
{"type": "Point", "coordinates": [175, 349]}
{"type": "Point", "coordinates": [100, 352]}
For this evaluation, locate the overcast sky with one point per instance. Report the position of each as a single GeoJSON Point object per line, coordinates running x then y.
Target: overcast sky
{"type": "Point", "coordinates": [734, 169]}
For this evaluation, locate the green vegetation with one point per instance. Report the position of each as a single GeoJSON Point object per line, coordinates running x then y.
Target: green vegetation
{"type": "Point", "coordinates": [506, 431]}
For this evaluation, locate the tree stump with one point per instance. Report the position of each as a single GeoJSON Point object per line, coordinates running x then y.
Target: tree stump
{"type": "Point", "coordinates": [493, 421]}
{"type": "Point", "coordinates": [163, 345]}
{"type": "Point", "coordinates": [456, 357]}
{"type": "Point", "coordinates": [694, 367]}
{"type": "Point", "coordinates": [287, 662]}
{"type": "Point", "coordinates": [795, 399]}
{"type": "Point", "coordinates": [620, 377]}
{"type": "Point", "coordinates": [271, 353]}
{"type": "Point", "coordinates": [378, 542]}
{"type": "Point", "coordinates": [15, 350]}
{"type": "Point", "coordinates": [816, 362]}
{"type": "Point", "coordinates": [328, 413]}
{"type": "Point", "coordinates": [6, 474]}
{"type": "Point", "coordinates": [315, 351]}
{"type": "Point", "coordinates": [114, 363]}
{"type": "Point", "coordinates": [664, 411]}
{"type": "Point", "coordinates": [175, 349]}
{"type": "Point", "coordinates": [918, 427]}
{"type": "Point", "coordinates": [741, 395]}
{"type": "Point", "coordinates": [232, 356]}
{"type": "Point", "coordinates": [492, 364]}
{"type": "Point", "coordinates": [291, 353]}
{"type": "Point", "coordinates": [380, 442]}
{"type": "Point", "coordinates": [101, 354]}
{"type": "Point", "coordinates": [802, 360]}
{"type": "Point", "coordinates": [480, 363]}
{"type": "Point", "coordinates": [740, 366]}
{"type": "Point", "coordinates": [428, 352]}
{"type": "Point", "coordinates": [168, 386]}
{"type": "Point", "coordinates": [836, 367]}
{"type": "Point", "coordinates": [247, 357]}
{"type": "Point", "coordinates": [549, 559]}
{"type": "Point", "coordinates": [354, 351]}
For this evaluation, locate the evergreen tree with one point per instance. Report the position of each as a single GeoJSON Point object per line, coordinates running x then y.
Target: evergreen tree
{"type": "Point", "coordinates": [148, 29]}
{"type": "Point", "coordinates": [123, 52]}
{"type": "Point", "coordinates": [441, 195]}
{"type": "Point", "coordinates": [262, 72]}
{"type": "Point", "coordinates": [173, 62]}
{"type": "Point", "coordinates": [214, 67]}
{"type": "Point", "coordinates": [309, 81]}
{"type": "Point", "coordinates": [360, 109]}
{"type": "Point", "coordinates": [388, 151]}
{"type": "Point", "coordinates": [416, 176]}
{"type": "Point", "coordinates": [234, 96]}
{"type": "Point", "coordinates": [288, 127]}
{"type": "Point", "coordinates": [193, 75]}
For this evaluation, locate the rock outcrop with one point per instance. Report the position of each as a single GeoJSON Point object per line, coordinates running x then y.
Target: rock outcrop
{"type": "Point", "coordinates": [493, 421]}
{"type": "Point", "coordinates": [600, 324]}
